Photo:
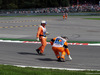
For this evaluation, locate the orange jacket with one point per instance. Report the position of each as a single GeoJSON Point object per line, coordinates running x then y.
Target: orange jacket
{"type": "Point", "coordinates": [41, 31]}
{"type": "Point", "coordinates": [65, 43]}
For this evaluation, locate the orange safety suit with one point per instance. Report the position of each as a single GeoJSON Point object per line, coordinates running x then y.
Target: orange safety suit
{"type": "Point", "coordinates": [41, 34]}
{"type": "Point", "coordinates": [63, 15]}
{"type": "Point", "coordinates": [66, 15]}
{"type": "Point", "coordinates": [60, 45]}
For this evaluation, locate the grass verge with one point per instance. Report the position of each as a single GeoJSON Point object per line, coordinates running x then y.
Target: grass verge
{"type": "Point", "coordinates": [32, 16]}
{"type": "Point", "coordinates": [13, 70]}
{"type": "Point", "coordinates": [92, 18]}
{"type": "Point", "coordinates": [46, 15]}
{"type": "Point", "coordinates": [48, 40]}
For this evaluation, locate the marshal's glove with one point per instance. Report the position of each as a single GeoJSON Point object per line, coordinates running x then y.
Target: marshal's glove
{"type": "Point", "coordinates": [47, 33]}
{"type": "Point", "coordinates": [37, 39]}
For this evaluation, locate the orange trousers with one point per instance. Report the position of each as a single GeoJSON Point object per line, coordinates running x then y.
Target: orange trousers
{"type": "Point", "coordinates": [62, 50]}
{"type": "Point", "coordinates": [63, 16]}
{"type": "Point", "coordinates": [67, 51]}
{"type": "Point", "coordinates": [57, 50]}
{"type": "Point", "coordinates": [44, 43]}
{"type": "Point", "coordinates": [66, 17]}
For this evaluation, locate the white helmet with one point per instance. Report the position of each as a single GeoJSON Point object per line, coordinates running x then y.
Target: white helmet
{"type": "Point", "coordinates": [65, 37]}
{"type": "Point", "coordinates": [43, 22]}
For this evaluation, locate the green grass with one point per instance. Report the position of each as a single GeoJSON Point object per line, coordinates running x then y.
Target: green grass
{"type": "Point", "coordinates": [13, 70]}
{"type": "Point", "coordinates": [92, 18]}
{"type": "Point", "coordinates": [44, 15]}
{"type": "Point", "coordinates": [17, 39]}
{"type": "Point", "coordinates": [32, 16]}
{"type": "Point", "coordinates": [48, 40]}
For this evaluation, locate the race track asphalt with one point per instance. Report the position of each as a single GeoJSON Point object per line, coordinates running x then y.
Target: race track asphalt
{"type": "Point", "coordinates": [84, 57]}
{"type": "Point", "coordinates": [75, 28]}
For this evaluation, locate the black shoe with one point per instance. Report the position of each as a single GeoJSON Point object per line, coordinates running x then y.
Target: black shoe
{"type": "Point", "coordinates": [58, 59]}
{"type": "Point", "coordinates": [41, 54]}
{"type": "Point", "coordinates": [38, 51]}
{"type": "Point", "coordinates": [62, 60]}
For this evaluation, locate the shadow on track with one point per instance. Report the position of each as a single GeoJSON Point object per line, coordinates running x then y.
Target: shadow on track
{"type": "Point", "coordinates": [46, 59]}
{"type": "Point", "coordinates": [49, 59]}
{"type": "Point", "coordinates": [27, 53]}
